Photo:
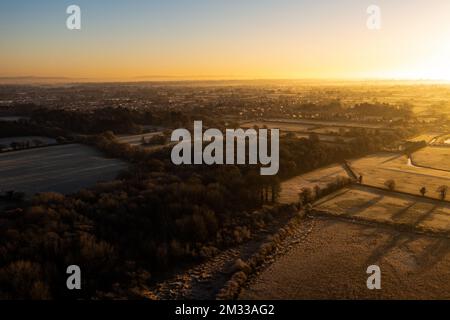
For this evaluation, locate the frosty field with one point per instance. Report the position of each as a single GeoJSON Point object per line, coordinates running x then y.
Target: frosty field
{"type": "Point", "coordinates": [64, 169]}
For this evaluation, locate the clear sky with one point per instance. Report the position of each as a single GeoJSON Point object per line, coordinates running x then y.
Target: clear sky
{"type": "Point", "coordinates": [140, 39]}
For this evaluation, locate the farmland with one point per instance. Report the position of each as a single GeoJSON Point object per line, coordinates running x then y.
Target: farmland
{"type": "Point", "coordinates": [433, 157]}
{"type": "Point", "coordinates": [136, 140]}
{"type": "Point", "coordinates": [325, 137]}
{"type": "Point", "coordinates": [292, 187]}
{"type": "Point", "coordinates": [376, 169]}
{"type": "Point", "coordinates": [317, 126]}
{"type": "Point", "coordinates": [387, 207]}
{"type": "Point", "coordinates": [331, 263]}
{"type": "Point", "coordinates": [64, 169]}
{"type": "Point", "coordinates": [304, 129]}
{"type": "Point", "coordinates": [429, 137]}
{"type": "Point", "coordinates": [283, 126]}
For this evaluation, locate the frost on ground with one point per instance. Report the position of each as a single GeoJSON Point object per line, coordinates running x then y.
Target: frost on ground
{"type": "Point", "coordinates": [64, 169]}
{"type": "Point", "coordinates": [331, 263]}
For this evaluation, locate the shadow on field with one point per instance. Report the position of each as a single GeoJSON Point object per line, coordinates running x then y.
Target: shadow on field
{"type": "Point", "coordinates": [401, 212]}
{"type": "Point", "coordinates": [383, 249]}
{"type": "Point", "coordinates": [357, 209]}
{"type": "Point", "coordinates": [434, 253]}
{"type": "Point", "coordinates": [426, 215]}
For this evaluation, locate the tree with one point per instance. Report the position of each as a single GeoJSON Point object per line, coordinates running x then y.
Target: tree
{"type": "Point", "coordinates": [275, 188]}
{"type": "Point", "coordinates": [314, 137]}
{"type": "Point", "coordinates": [390, 184]}
{"type": "Point", "coordinates": [14, 145]}
{"type": "Point", "coordinates": [38, 142]}
{"type": "Point", "coordinates": [317, 191]}
{"type": "Point", "coordinates": [305, 196]}
{"type": "Point", "coordinates": [442, 190]}
{"type": "Point", "coordinates": [423, 190]}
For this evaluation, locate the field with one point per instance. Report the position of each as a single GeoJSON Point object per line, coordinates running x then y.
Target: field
{"type": "Point", "coordinates": [429, 137]}
{"type": "Point", "coordinates": [321, 177]}
{"type": "Point", "coordinates": [443, 140]}
{"type": "Point", "coordinates": [392, 208]}
{"type": "Point", "coordinates": [136, 140]}
{"type": "Point", "coordinates": [283, 126]}
{"type": "Point", "coordinates": [325, 134]}
{"type": "Point", "coordinates": [331, 263]}
{"type": "Point", "coordinates": [323, 123]}
{"type": "Point", "coordinates": [64, 169]}
{"type": "Point", "coordinates": [378, 168]}
{"type": "Point", "coordinates": [433, 157]}
{"type": "Point", "coordinates": [310, 125]}
{"type": "Point", "coordinates": [329, 130]}
{"type": "Point", "coordinates": [326, 138]}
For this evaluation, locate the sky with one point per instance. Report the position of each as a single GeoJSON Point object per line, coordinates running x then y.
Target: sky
{"type": "Point", "coordinates": [226, 39]}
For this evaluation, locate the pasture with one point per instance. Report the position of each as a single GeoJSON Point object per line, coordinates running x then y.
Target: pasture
{"type": "Point", "coordinates": [433, 157]}
{"type": "Point", "coordinates": [283, 126]}
{"type": "Point", "coordinates": [64, 169]}
{"type": "Point", "coordinates": [429, 137]}
{"type": "Point", "coordinates": [387, 207]}
{"type": "Point", "coordinates": [324, 123]}
{"type": "Point", "coordinates": [136, 139]}
{"type": "Point", "coordinates": [326, 138]}
{"type": "Point", "coordinates": [378, 168]}
{"type": "Point", "coordinates": [320, 177]}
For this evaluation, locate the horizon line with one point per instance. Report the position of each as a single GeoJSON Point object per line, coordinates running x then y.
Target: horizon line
{"type": "Point", "coordinates": [141, 79]}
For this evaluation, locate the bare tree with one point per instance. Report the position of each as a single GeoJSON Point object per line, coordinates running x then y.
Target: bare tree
{"type": "Point", "coordinates": [390, 184]}
{"type": "Point", "coordinates": [423, 190]}
{"type": "Point", "coordinates": [442, 190]}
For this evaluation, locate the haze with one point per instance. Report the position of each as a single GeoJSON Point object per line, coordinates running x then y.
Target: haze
{"type": "Point", "coordinates": [198, 39]}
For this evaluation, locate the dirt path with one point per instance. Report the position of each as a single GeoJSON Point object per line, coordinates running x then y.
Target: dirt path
{"type": "Point", "coordinates": [331, 263]}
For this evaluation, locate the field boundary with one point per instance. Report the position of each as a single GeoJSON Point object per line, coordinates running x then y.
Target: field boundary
{"type": "Point", "coordinates": [386, 191]}
{"type": "Point", "coordinates": [39, 147]}
{"type": "Point", "coordinates": [425, 167]}
{"type": "Point", "coordinates": [402, 227]}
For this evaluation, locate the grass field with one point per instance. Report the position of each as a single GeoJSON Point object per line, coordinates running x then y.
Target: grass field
{"type": "Point", "coordinates": [331, 263]}
{"type": "Point", "coordinates": [388, 207]}
{"type": "Point", "coordinates": [64, 169]}
{"type": "Point", "coordinates": [328, 130]}
{"type": "Point", "coordinates": [429, 137]}
{"type": "Point", "coordinates": [321, 177]}
{"type": "Point", "coordinates": [433, 157]}
{"type": "Point", "coordinates": [442, 139]}
{"type": "Point", "coordinates": [378, 168]}
{"type": "Point", "coordinates": [136, 140]}
{"type": "Point", "coordinates": [323, 123]}
{"type": "Point", "coordinates": [325, 137]}
{"type": "Point", "coordinates": [283, 126]}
